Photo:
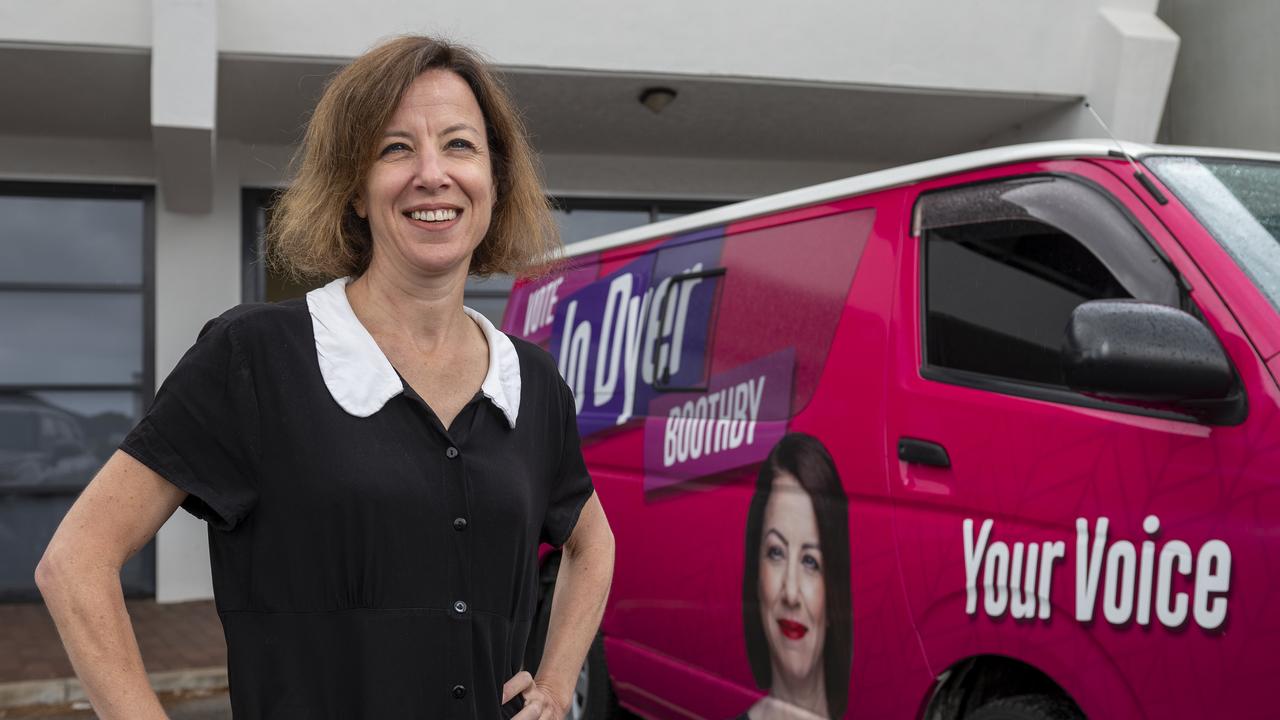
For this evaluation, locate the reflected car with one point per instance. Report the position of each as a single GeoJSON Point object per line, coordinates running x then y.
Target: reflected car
{"type": "Point", "coordinates": [42, 447]}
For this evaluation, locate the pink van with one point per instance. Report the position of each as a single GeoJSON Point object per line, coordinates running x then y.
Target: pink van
{"type": "Point", "coordinates": [991, 436]}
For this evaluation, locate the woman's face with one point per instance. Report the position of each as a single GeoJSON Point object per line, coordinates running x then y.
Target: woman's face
{"type": "Point", "coordinates": [429, 195]}
{"type": "Point", "coordinates": [792, 588]}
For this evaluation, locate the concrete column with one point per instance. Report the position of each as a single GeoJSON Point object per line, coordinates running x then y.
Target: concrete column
{"type": "Point", "coordinates": [184, 89]}
{"type": "Point", "coordinates": [197, 278]}
{"type": "Point", "coordinates": [1131, 63]}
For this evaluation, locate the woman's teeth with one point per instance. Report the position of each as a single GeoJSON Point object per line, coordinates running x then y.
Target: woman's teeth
{"type": "Point", "coordinates": [434, 215]}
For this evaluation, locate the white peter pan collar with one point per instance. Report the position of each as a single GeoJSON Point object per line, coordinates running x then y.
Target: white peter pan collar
{"type": "Point", "coordinates": [362, 380]}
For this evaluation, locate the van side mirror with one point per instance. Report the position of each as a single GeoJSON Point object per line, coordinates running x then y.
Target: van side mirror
{"type": "Point", "coordinates": [1152, 355]}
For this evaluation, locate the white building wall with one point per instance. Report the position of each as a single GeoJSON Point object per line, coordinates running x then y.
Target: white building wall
{"type": "Point", "coordinates": [1224, 91]}
{"type": "Point", "coordinates": [996, 45]}
{"type": "Point", "coordinates": [1115, 52]}
{"type": "Point", "coordinates": [115, 24]}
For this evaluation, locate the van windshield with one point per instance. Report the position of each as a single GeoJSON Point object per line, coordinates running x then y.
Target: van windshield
{"type": "Point", "coordinates": [1238, 201]}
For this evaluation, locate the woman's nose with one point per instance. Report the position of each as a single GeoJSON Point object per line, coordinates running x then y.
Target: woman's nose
{"type": "Point", "coordinates": [791, 585]}
{"type": "Point", "coordinates": [430, 172]}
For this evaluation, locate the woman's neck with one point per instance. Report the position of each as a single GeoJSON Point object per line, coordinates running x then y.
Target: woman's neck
{"type": "Point", "coordinates": [804, 697]}
{"type": "Point", "coordinates": [425, 311]}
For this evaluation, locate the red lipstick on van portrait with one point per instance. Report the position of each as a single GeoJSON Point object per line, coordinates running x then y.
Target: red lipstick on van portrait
{"type": "Point", "coordinates": [792, 629]}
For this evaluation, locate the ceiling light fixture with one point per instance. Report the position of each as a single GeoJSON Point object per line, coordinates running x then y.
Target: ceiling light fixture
{"type": "Point", "coordinates": [657, 98]}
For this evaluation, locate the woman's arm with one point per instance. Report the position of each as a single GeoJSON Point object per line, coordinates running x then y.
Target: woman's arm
{"type": "Point", "coordinates": [582, 586]}
{"type": "Point", "coordinates": [79, 576]}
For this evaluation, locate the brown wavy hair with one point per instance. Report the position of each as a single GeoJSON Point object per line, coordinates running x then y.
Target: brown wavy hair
{"type": "Point", "coordinates": [315, 233]}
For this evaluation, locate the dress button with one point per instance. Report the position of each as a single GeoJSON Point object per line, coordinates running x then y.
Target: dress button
{"type": "Point", "coordinates": [452, 452]}
{"type": "Point", "coordinates": [459, 691]}
{"type": "Point", "coordinates": [459, 524]}
{"type": "Point", "coordinates": [459, 607]}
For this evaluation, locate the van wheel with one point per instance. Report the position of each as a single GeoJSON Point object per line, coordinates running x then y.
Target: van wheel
{"type": "Point", "coordinates": [593, 696]}
{"type": "Point", "coordinates": [1027, 707]}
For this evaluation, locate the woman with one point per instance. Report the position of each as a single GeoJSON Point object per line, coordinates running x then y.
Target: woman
{"type": "Point", "coordinates": [377, 463]}
{"type": "Point", "coordinates": [795, 589]}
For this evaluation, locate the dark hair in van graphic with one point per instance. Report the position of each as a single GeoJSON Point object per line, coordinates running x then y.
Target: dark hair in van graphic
{"type": "Point", "coordinates": [796, 603]}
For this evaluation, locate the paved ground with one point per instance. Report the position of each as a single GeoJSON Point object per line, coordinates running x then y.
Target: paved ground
{"type": "Point", "coordinates": [173, 636]}
{"type": "Point", "coordinates": [190, 707]}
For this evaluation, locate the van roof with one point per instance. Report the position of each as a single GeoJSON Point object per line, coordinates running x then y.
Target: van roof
{"type": "Point", "coordinates": [893, 177]}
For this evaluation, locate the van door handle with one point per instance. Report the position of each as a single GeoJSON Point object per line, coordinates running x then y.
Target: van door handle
{"type": "Point", "coordinates": [922, 452]}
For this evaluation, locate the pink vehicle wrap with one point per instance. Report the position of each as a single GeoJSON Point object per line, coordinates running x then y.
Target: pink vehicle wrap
{"type": "Point", "coordinates": [1126, 553]}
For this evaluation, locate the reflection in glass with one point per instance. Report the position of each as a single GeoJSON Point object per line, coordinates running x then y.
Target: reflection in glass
{"type": "Point", "coordinates": [27, 523]}
{"type": "Point", "coordinates": [54, 442]}
{"type": "Point", "coordinates": [71, 240]}
{"type": "Point", "coordinates": [70, 338]}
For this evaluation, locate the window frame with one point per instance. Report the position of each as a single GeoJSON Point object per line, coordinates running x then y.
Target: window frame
{"type": "Point", "coordinates": [659, 384]}
{"type": "Point", "coordinates": [144, 389]}
{"type": "Point", "coordinates": [146, 194]}
{"type": "Point", "coordinates": [1025, 388]}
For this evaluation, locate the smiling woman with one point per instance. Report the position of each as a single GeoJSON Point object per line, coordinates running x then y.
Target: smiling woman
{"type": "Point", "coordinates": [378, 465]}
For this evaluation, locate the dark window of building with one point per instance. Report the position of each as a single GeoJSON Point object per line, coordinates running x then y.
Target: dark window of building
{"type": "Point", "coordinates": [75, 364]}
{"type": "Point", "coordinates": [578, 218]}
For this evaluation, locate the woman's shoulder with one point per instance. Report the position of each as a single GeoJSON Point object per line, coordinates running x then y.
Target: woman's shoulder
{"type": "Point", "coordinates": [268, 314]}
{"type": "Point", "coordinates": [255, 325]}
{"type": "Point", "coordinates": [535, 362]}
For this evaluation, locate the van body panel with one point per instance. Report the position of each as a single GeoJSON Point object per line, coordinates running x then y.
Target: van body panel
{"type": "Point", "coordinates": [672, 688]}
{"type": "Point", "coordinates": [829, 299]}
{"type": "Point", "coordinates": [889, 674]}
{"type": "Point", "coordinates": [1032, 471]}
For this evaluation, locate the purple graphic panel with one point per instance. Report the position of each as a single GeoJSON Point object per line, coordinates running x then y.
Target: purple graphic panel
{"type": "Point", "coordinates": [683, 347]}
{"type": "Point", "coordinates": [596, 339]}
{"type": "Point", "coordinates": [609, 340]}
{"type": "Point", "coordinates": [532, 308]}
{"type": "Point", "coordinates": [741, 416]}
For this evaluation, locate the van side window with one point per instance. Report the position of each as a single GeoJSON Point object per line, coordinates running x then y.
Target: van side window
{"type": "Point", "coordinates": [680, 357]}
{"type": "Point", "coordinates": [1006, 263]}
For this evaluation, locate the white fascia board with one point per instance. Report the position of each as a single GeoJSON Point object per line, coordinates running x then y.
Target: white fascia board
{"type": "Point", "coordinates": [184, 64]}
{"type": "Point", "coordinates": [892, 177]}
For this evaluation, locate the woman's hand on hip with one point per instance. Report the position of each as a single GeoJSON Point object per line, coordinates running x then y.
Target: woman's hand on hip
{"type": "Point", "coordinates": [539, 701]}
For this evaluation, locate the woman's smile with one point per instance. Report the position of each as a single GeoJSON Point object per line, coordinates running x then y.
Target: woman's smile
{"type": "Point", "coordinates": [434, 219]}
{"type": "Point", "coordinates": [792, 630]}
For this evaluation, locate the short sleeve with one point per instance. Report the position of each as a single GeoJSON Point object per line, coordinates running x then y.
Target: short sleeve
{"type": "Point", "coordinates": [571, 487]}
{"type": "Point", "coordinates": [200, 433]}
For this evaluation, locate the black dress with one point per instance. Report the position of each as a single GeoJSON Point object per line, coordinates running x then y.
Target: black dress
{"type": "Point", "coordinates": [371, 566]}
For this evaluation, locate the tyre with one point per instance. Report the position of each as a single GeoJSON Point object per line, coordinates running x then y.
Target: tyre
{"type": "Point", "coordinates": [1027, 707]}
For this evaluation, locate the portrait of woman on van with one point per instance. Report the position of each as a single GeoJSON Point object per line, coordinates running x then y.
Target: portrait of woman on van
{"type": "Point", "coordinates": [796, 604]}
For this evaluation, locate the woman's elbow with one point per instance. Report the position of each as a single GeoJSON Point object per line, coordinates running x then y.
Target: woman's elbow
{"type": "Point", "coordinates": [50, 572]}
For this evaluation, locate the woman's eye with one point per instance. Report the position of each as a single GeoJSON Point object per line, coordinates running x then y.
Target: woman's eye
{"type": "Point", "coordinates": [394, 147]}
{"type": "Point", "coordinates": [460, 144]}
{"type": "Point", "coordinates": [811, 563]}
{"type": "Point", "coordinates": [773, 552]}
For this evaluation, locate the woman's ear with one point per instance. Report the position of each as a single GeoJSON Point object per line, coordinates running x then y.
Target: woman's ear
{"type": "Point", "coordinates": [357, 204]}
